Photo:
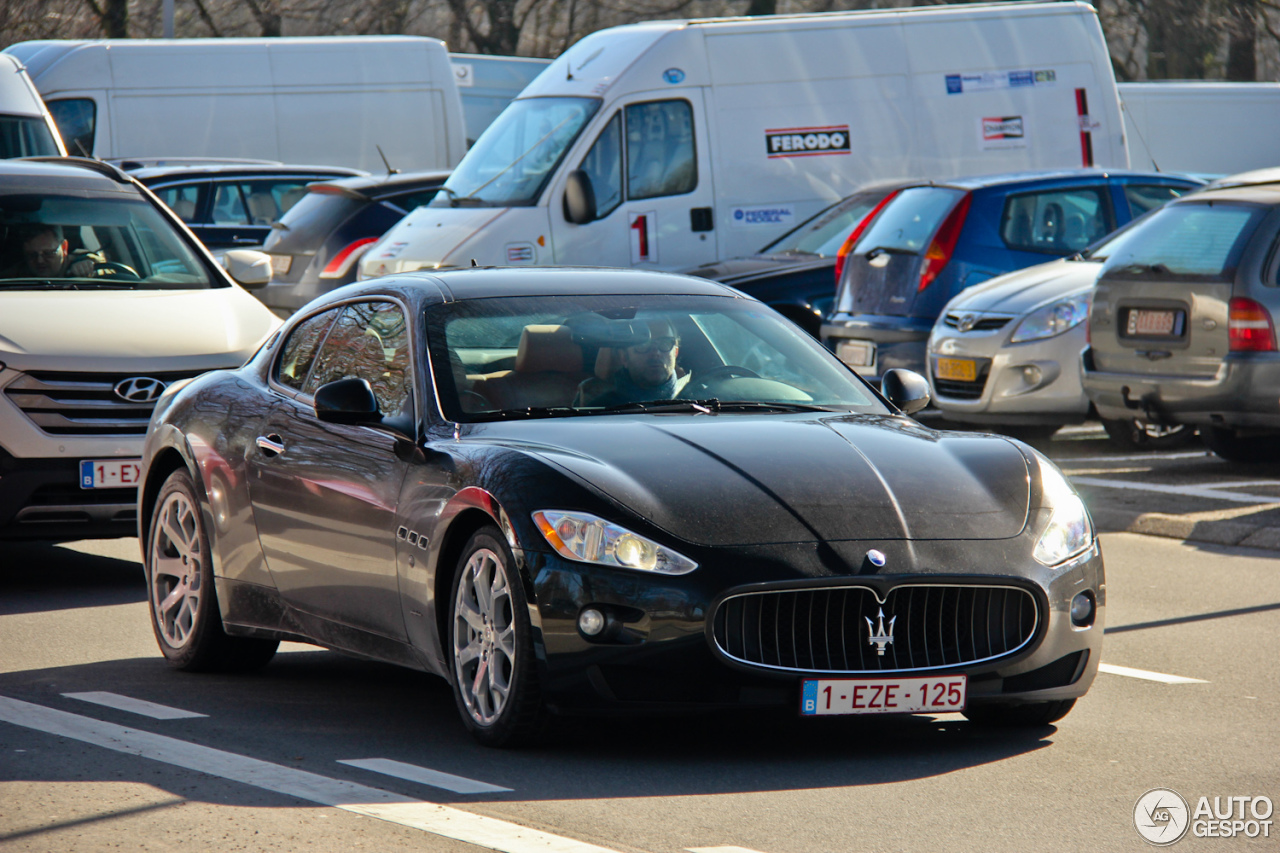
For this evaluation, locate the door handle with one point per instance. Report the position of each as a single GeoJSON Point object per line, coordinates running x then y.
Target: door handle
{"type": "Point", "coordinates": [271, 445]}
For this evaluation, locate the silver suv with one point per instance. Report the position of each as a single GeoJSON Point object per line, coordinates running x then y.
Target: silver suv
{"type": "Point", "coordinates": [1182, 327]}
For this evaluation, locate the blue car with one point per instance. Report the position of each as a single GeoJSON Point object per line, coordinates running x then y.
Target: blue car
{"type": "Point", "coordinates": [934, 239]}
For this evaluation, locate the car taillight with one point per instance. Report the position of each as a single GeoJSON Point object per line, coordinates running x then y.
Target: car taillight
{"type": "Point", "coordinates": [856, 234]}
{"type": "Point", "coordinates": [944, 242]}
{"type": "Point", "coordinates": [341, 262]}
{"type": "Point", "coordinates": [1249, 327]}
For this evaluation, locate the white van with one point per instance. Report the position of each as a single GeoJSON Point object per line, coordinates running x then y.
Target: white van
{"type": "Point", "coordinates": [26, 128]}
{"type": "Point", "coordinates": [330, 101]}
{"type": "Point", "coordinates": [675, 143]}
{"type": "Point", "coordinates": [1202, 127]}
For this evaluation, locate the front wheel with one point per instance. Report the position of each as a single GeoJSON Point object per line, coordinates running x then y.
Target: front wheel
{"type": "Point", "coordinates": [180, 593]}
{"type": "Point", "coordinates": [1230, 445]}
{"type": "Point", "coordinates": [1023, 714]}
{"type": "Point", "coordinates": [495, 677]}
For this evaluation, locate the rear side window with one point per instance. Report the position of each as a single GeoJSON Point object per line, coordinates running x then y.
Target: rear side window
{"type": "Point", "coordinates": [908, 223]}
{"type": "Point", "coordinates": [182, 200]}
{"type": "Point", "coordinates": [1187, 241]}
{"type": "Point", "coordinates": [77, 120]}
{"type": "Point", "coordinates": [1057, 222]}
{"type": "Point", "coordinates": [1142, 197]}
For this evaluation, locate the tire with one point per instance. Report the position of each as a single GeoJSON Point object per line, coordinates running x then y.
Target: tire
{"type": "Point", "coordinates": [180, 588]}
{"type": "Point", "coordinates": [495, 676]}
{"type": "Point", "coordinates": [1231, 446]}
{"type": "Point", "coordinates": [1141, 435]}
{"type": "Point", "coordinates": [1009, 714]}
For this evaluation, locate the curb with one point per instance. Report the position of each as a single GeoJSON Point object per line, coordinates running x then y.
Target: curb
{"type": "Point", "coordinates": [1206, 531]}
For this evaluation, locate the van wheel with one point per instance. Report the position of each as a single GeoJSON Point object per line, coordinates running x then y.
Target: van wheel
{"type": "Point", "coordinates": [495, 676]}
{"type": "Point", "coordinates": [1020, 714]}
{"type": "Point", "coordinates": [180, 591]}
{"type": "Point", "coordinates": [1141, 435]}
{"type": "Point", "coordinates": [1233, 447]}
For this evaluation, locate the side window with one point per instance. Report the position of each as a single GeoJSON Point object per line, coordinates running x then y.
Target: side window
{"type": "Point", "coordinates": [300, 349]}
{"type": "Point", "coordinates": [660, 149]}
{"type": "Point", "coordinates": [1058, 222]}
{"type": "Point", "coordinates": [370, 341]}
{"type": "Point", "coordinates": [228, 205]}
{"type": "Point", "coordinates": [181, 200]}
{"type": "Point", "coordinates": [603, 164]}
{"type": "Point", "coordinates": [76, 119]}
{"type": "Point", "coordinates": [1143, 198]}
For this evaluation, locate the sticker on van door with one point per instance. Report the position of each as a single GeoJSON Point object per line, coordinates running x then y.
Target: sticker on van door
{"type": "Point", "coordinates": [1001, 132]}
{"type": "Point", "coordinates": [958, 84]}
{"type": "Point", "coordinates": [644, 237]}
{"type": "Point", "coordinates": [807, 141]}
{"type": "Point", "coordinates": [778, 214]}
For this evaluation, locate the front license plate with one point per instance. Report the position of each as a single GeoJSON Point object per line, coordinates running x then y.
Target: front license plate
{"type": "Point", "coordinates": [1145, 322]}
{"type": "Point", "coordinates": [956, 369]}
{"type": "Point", "coordinates": [860, 355]}
{"type": "Point", "coordinates": [822, 696]}
{"type": "Point", "coordinates": [110, 473]}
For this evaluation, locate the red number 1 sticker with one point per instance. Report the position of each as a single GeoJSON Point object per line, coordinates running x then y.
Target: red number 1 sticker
{"type": "Point", "coordinates": [644, 238]}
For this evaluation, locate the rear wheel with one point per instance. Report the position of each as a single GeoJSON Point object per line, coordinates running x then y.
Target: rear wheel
{"type": "Point", "coordinates": [180, 592]}
{"type": "Point", "coordinates": [495, 677]}
{"type": "Point", "coordinates": [1019, 714]}
{"type": "Point", "coordinates": [1142, 435]}
{"type": "Point", "coordinates": [1233, 447]}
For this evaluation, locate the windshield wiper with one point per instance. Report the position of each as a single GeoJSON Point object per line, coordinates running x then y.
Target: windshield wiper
{"type": "Point", "coordinates": [1139, 269]}
{"type": "Point", "coordinates": [888, 250]}
{"type": "Point", "coordinates": [769, 405]}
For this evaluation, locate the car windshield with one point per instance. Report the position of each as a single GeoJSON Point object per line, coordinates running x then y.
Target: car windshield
{"type": "Point", "coordinates": [79, 243]}
{"type": "Point", "coordinates": [564, 356]}
{"type": "Point", "coordinates": [26, 136]}
{"type": "Point", "coordinates": [1189, 241]}
{"type": "Point", "coordinates": [824, 233]}
{"type": "Point", "coordinates": [515, 156]}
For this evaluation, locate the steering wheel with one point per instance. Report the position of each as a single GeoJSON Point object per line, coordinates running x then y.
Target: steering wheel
{"type": "Point", "coordinates": [111, 269]}
{"type": "Point", "coordinates": [473, 401]}
{"type": "Point", "coordinates": [707, 378]}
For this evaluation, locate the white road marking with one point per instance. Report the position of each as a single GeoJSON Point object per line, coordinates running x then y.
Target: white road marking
{"type": "Point", "coordinates": [489, 833]}
{"type": "Point", "coordinates": [1147, 675]}
{"type": "Point", "coordinates": [424, 775]}
{"type": "Point", "coordinates": [1212, 492]}
{"type": "Point", "coordinates": [719, 850]}
{"type": "Point", "coordinates": [134, 706]}
{"type": "Point", "coordinates": [1137, 457]}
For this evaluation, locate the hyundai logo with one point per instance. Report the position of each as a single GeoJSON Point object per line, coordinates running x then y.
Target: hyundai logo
{"type": "Point", "coordinates": [139, 389]}
{"type": "Point", "coordinates": [967, 322]}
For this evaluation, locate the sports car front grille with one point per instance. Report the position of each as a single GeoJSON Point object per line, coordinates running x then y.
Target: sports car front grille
{"type": "Point", "coordinates": [834, 629]}
{"type": "Point", "coordinates": [81, 403]}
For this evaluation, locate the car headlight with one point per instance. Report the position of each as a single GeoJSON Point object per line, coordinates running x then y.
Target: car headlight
{"type": "Point", "coordinates": [1069, 531]}
{"type": "Point", "coordinates": [1053, 319]}
{"type": "Point", "coordinates": [588, 539]}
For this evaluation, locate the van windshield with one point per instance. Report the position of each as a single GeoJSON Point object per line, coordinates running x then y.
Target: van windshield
{"type": "Point", "coordinates": [515, 157]}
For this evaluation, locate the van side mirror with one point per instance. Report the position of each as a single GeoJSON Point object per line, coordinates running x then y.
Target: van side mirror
{"type": "Point", "coordinates": [579, 198]}
{"type": "Point", "coordinates": [347, 401]}
{"type": "Point", "coordinates": [249, 267]}
{"type": "Point", "coordinates": [906, 389]}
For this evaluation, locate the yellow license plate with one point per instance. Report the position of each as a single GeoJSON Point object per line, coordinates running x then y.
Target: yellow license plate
{"type": "Point", "coordinates": [956, 369]}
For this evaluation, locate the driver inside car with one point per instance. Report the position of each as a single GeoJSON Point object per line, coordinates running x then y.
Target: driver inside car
{"type": "Point", "coordinates": [45, 255]}
{"type": "Point", "coordinates": [645, 371]}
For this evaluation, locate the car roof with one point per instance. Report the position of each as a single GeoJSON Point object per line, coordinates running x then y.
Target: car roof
{"type": "Point", "coordinates": [376, 186]}
{"type": "Point", "coordinates": [488, 282]}
{"type": "Point", "coordinates": [975, 182]}
{"type": "Point", "coordinates": [47, 173]}
{"type": "Point", "coordinates": [156, 174]}
{"type": "Point", "coordinates": [1268, 194]}
{"type": "Point", "coordinates": [1269, 175]}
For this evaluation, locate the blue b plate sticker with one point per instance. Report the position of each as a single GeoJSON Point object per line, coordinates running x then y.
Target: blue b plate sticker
{"type": "Point", "coordinates": [809, 701]}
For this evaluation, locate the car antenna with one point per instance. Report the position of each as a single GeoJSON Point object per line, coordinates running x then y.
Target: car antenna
{"type": "Point", "coordinates": [386, 162]}
{"type": "Point", "coordinates": [473, 263]}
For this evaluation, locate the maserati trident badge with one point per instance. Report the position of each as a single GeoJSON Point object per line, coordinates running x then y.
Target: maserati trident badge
{"type": "Point", "coordinates": [878, 637]}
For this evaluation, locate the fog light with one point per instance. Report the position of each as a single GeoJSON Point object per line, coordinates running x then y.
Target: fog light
{"type": "Point", "coordinates": [1031, 374]}
{"type": "Point", "coordinates": [1082, 609]}
{"type": "Point", "coordinates": [591, 621]}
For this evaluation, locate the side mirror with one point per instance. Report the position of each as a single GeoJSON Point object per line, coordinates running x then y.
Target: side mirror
{"type": "Point", "coordinates": [347, 401]}
{"type": "Point", "coordinates": [249, 267]}
{"type": "Point", "coordinates": [579, 198]}
{"type": "Point", "coordinates": [906, 389]}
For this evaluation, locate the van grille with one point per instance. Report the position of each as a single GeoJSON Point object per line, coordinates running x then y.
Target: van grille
{"type": "Point", "coordinates": [67, 403]}
{"type": "Point", "coordinates": [826, 629]}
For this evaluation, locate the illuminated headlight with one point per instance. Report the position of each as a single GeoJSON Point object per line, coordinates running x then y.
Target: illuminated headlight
{"type": "Point", "coordinates": [1053, 319]}
{"type": "Point", "coordinates": [588, 539]}
{"type": "Point", "coordinates": [1069, 531]}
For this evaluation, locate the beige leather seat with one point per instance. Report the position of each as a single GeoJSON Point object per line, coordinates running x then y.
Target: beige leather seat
{"type": "Point", "coordinates": [547, 371]}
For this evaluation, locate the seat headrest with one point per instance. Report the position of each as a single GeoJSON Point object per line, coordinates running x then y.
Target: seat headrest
{"type": "Point", "coordinates": [548, 348]}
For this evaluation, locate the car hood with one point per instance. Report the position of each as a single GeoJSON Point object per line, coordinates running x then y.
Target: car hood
{"type": "Point", "coordinates": [753, 266]}
{"type": "Point", "coordinates": [757, 479]}
{"type": "Point", "coordinates": [156, 330]}
{"type": "Point", "coordinates": [427, 237]}
{"type": "Point", "coordinates": [1019, 292]}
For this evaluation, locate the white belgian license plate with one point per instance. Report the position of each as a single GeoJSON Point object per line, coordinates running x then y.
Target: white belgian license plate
{"type": "Point", "coordinates": [939, 695]}
{"type": "Point", "coordinates": [1143, 322]}
{"type": "Point", "coordinates": [110, 473]}
{"type": "Point", "coordinates": [860, 355]}
{"type": "Point", "coordinates": [280, 264]}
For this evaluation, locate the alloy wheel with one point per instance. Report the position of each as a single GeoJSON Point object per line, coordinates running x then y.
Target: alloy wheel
{"type": "Point", "coordinates": [484, 637]}
{"type": "Point", "coordinates": [176, 570]}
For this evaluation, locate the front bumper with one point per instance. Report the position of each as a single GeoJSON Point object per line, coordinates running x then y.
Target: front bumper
{"type": "Point", "coordinates": [42, 499]}
{"type": "Point", "coordinates": [662, 654]}
{"type": "Point", "coordinates": [1241, 394]}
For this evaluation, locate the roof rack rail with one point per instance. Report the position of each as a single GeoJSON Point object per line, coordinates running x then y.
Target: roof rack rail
{"type": "Point", "coordinates": [102, 168]}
